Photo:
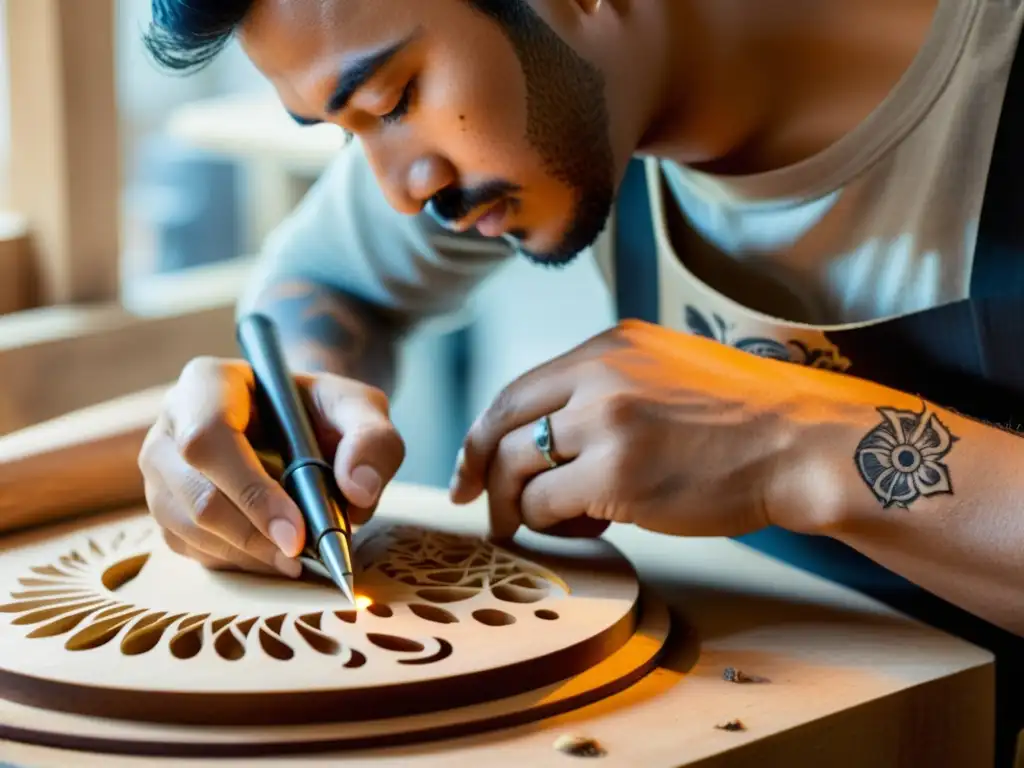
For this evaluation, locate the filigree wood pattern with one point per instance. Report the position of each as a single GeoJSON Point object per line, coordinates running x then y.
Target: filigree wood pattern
{"type": "Point", "coordinates": [447, 603]}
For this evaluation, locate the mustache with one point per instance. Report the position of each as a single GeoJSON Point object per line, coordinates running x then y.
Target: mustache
{"type": "Point", "coordinates": [452, 204]}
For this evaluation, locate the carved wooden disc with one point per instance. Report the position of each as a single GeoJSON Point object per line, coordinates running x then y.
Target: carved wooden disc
{"type": "Point", "coordinates": [106, 621]}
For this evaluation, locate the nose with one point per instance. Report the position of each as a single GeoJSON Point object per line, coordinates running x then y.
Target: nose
{"type": "Point", "coordinates": [409, 185]}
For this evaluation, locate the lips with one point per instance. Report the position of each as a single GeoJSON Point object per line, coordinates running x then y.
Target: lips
{"type": "Point", "coordinates": [488, 221]}
{"type": "Point", "coordinates": [492, 222]}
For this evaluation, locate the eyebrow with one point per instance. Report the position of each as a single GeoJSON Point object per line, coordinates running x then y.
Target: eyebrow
{"type": "Point", "coordinates": [354, 75]}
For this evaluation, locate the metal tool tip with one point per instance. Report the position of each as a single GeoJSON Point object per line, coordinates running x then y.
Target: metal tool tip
{"type": "Point", "coordinates": [348, 586]}
{"type": "Point", "coordinates": [335, 556]}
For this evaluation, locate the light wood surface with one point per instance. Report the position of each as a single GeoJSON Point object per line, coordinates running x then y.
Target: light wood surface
{"type": "Point", "coordinates": [65, 172]}
{"type": "Point", "coordinates": [59, 359]}
{"type": "Point", "coordinates": [83, 461]}
{"type": "Point", "coordinates": [851, 683]}
{"type": "Point", "coordinates": [17, 271]}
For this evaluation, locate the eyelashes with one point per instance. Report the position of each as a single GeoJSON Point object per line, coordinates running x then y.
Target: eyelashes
{"type": "Point", "coordinates": [401, 109]}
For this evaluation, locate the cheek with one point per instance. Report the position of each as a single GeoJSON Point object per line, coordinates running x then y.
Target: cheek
{"type": "Point", "coordinates": [477, 112]}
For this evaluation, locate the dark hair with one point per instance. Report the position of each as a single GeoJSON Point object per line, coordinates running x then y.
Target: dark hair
{"type": "Point", "coordinates": [186, 35]}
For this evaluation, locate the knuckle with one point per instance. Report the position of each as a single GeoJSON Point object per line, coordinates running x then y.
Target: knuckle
{"type": "Point", "coordinates": [502, 409]}
{"type": "Point", "coordinates": [193, 442]}
{"type": "Point", "coordinates": [620, 409]}
{"type": "Point", "coordinates": [377, 398]}
{"type": "Point", "coordinates": [205, 505]}
{"type": "Point", "coordinates": [253, 498]}
{"type": "Point", "coordinates": [620, 467]}
{"type": "Point", "coordinates": [378, 437]}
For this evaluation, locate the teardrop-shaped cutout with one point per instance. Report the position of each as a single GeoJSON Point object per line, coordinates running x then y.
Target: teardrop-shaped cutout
{"type": "Point", "coordinates": [349, 617]}
{"type": "Point", "coordinates": [49, 613]}
{"type": "Point", "coordinates": [317, 640]}
{"type": "Point", "coordinates": [146, 633]}
{"type": "Point", "coordinates": [50, 570]}
{"type": "Point", "coordinates": [433, 613]}
{"type": "Point", "coordinates": [114, 610]}
{"type": "Point", "coordinates": [394, 643]}
{"type": "Point", "coordinates": [218, 624]}
{"type": "Point", "coordinates": [61, 625]}
{"type": "Point", "coordinates": [100, 633]}
{"type": "Point", "coordinates": [27, 581]}
{"type": "Point", "coordinates": [191, 621]}
{"type": "Point", "coordinates": [312, 619]}
{"type": "Point", "coordinates": [274, 623]}
{"type": "Point", "coordinates": [188, 642]}
{"type": "Point", "coordinates": [245, 625]}
{"type": "Point", "coordinates": [32, 605]}
{"type": "Point", "coordinates": [33, 594]}
{"type": "Point", "coordinates": [274, 646]}
{"type": "Point", "coordinates": [228, 645]}
{"type": "Point", "coordinates": [123, 571]}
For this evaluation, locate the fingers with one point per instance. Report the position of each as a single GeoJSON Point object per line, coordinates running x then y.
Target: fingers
{"type": "Point", "coordinates": [226, 539]}
{"type": "Point", "coordinates": [207, 414]}
{"type": "Point", "coordinates": [557, 501]}
{"type": "Point", "coordinates": [370, 450]}
{"type": "Point", "coordinates": [517, 459]}
{"type": "Point", "coordinates": [542, 391]}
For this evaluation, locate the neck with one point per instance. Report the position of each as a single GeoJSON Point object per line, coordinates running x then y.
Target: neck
{"type": "Point", "coordinates": [735, 84]}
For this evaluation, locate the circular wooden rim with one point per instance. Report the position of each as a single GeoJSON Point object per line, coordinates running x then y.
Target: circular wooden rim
{"type": "Point", "coordinates": [615, 673]}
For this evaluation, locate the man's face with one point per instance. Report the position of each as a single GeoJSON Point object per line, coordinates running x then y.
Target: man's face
{"type": "Point", "coordinates": [475, 109]}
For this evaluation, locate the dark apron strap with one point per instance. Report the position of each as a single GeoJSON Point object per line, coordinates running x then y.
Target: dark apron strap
{"type": "Point", "coordinates": [999, 253]}
{"type": "Point", "coordinates": [636, 251]}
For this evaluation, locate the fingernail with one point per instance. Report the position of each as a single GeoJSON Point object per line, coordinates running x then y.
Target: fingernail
{"type": "Point", "coordinates": [456, 480]}
{"type": "Point", "coordinates": [368, 481]}
{"type": "Point", "coordinates": [284, 535]}
{"type": "Point", "coordinates": [287, 566]}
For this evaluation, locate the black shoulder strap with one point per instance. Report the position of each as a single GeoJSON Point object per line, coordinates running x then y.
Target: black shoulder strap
{"type": "Point", "coordinates": [636, 251]}
{"type": "Point", "coordinates": [999, 253]}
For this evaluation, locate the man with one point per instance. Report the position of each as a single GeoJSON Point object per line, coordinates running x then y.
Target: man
{"type": "Point", "coordinates": [808, 201]}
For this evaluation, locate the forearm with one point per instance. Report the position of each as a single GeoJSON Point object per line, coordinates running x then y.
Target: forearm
{"type": "Point", "coordinates": [325, 330]}
{"type": "Point", "coordinates": [937, 498]}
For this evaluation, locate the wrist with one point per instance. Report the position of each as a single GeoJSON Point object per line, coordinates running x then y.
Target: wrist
{"type": "Point", "coordinates": [818, 489]}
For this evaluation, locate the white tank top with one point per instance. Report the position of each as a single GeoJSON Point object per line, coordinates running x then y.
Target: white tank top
{"type": "Point", "coordinates": [880, 224]}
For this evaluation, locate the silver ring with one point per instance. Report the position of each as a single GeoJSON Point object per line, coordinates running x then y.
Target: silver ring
{"type": "Point", "coordinates": [543, 440]}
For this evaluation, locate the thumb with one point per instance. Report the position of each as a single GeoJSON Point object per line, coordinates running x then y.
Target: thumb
{"type": "Point", "coordinates": [370, 450]}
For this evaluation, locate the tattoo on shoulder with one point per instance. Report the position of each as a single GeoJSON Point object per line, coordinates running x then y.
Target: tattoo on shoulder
{"type": "Point", "coordinates": [901, 459]}
{"type": "Point", "coordinates": [321, 331]}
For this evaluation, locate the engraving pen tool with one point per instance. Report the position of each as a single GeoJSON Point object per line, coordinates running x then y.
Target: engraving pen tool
{"type": "Point", "coordinates": [307, 478]}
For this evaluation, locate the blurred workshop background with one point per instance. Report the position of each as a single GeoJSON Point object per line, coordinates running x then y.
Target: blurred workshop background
{"type": "Point", "coordinates": [210, 164]}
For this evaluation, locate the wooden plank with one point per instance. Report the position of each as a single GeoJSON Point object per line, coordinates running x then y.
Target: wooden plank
{"type": "Point", "coordinates": [65, 156]}
{"type": "Point", "coordinates": [81, 462]}
{"type": "Point", "coordinates": [60, 359]}
{"type": "Point", "coordinates": [17, 273]}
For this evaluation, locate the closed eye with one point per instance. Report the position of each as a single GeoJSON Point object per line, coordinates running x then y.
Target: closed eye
{"type": "Point", "coordinates": [402, 107]}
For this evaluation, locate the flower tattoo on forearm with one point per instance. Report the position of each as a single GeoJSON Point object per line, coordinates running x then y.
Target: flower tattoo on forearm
{"type": "Point", "coordinates": [901, 458]}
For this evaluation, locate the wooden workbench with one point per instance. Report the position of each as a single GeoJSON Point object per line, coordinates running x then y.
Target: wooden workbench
{"type": "Point", "coordinates": [852, 683]}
